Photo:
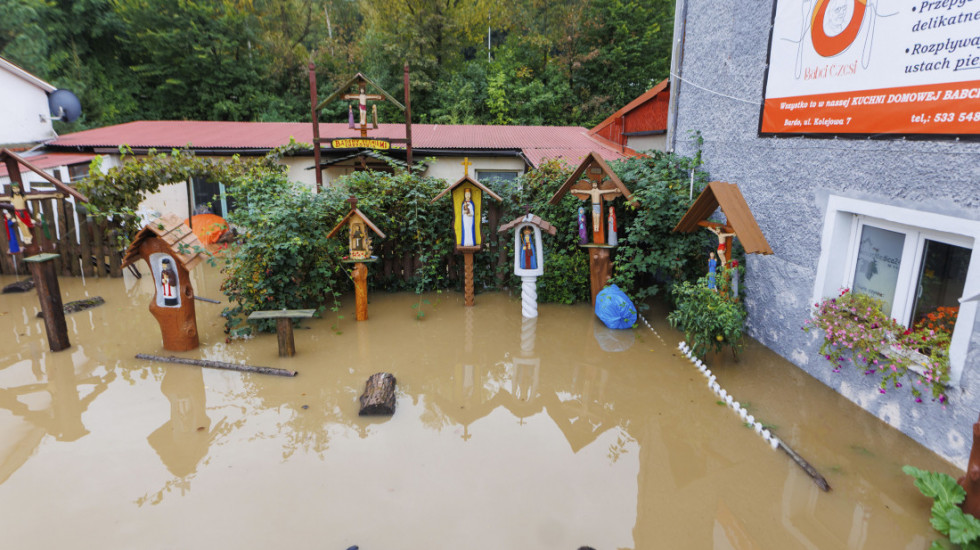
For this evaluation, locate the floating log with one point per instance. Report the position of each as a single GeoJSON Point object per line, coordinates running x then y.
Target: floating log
{"type": "Point", "coordinates": [379, 395]}
{"type": "Point", "coordinates": [216, 364]}
{"type": "Point", "coordinates": [79, 305]}
{"type": "Point", "coordinates": [809, 469]}
{"type": "Point", "coordinates": [19, 286]}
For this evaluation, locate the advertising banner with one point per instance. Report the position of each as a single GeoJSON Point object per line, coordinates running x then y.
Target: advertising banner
{"type": "Point", "coordinates": [866, 67]}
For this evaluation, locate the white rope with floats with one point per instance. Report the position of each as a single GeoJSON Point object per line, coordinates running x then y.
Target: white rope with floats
{"type": "Point", "coordinates": [770, 438]}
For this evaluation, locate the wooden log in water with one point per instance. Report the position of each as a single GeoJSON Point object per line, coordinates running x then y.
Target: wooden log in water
{"type": "Point", "coordinates": [807, 467]}
{"type": "Point", "coordinates": [79, 305]}
{"type": "Point", "coordinates": [216, 364]}
{"type": "Point", "coordinates": [379, 395]}
{"type": "Point", "coordinates": [19, 286]}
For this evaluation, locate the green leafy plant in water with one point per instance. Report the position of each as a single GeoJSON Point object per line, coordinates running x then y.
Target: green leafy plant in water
{"type": "Point", "coordinates": [947, 517]}
{"type": "Point", "coordinates": [710, 319]}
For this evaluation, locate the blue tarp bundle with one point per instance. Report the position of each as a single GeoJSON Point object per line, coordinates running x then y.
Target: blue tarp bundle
{"type": "Point", "coordinates": [614, 308]}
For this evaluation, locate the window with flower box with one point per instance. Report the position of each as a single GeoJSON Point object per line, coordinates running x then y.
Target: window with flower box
{"type": "Point", "coordinates": [919, 271]}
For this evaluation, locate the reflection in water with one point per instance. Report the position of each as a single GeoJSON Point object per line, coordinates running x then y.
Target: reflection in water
{"type": "Point", "coordinates": [509, 433]}
{"type": "Point", "coordinates": [48, 392]}
{"type": "Point", "coordinates": [613, 339]}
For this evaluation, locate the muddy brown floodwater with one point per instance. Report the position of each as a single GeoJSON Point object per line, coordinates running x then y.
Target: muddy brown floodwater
{"type": "Point", "coordinates": [549, 434]}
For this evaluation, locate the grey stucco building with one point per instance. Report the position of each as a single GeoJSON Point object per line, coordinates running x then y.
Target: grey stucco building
{"type": "Point", "coordinates": [818, 198]}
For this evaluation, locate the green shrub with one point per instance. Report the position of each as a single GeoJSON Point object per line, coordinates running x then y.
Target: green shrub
{"type": "Point", "coordinates": [650, 256]}
{"type": "Point", "coordinates": [710, 320]}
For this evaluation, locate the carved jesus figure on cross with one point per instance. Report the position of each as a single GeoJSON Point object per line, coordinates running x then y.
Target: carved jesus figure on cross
{"type": "Point", "coordinates": [723, 242]}
{"type": "Point", "coordinates": [596, 195]}
{"type": "Point", "coordinates": [362, 98]}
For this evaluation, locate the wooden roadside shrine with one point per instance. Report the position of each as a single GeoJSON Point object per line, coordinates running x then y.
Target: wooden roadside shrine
{"type": "Point", "coordinates": [360, 252]}
{"type": "Point", "coordinates": [360, 123]}
{"type": "Point", "coordinates": [20, 229]}
{"type": "Point", "coordinates": [595, 180]}
{"type": "Point", "coordinates": [739, 222]}
{"type": "Point", "coordinates": [528, 257]}
{"type": "Point", "coordinates": [467, 194]}
{"type": "Point", "coordinates": [171, 250]}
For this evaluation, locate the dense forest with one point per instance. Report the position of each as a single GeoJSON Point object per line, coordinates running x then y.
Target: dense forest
{"type": "Point", "coordinates": [536, 62]}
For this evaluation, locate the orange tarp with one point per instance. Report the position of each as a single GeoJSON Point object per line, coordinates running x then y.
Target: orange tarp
{"type": "Point", "coordinates": [208, 227]}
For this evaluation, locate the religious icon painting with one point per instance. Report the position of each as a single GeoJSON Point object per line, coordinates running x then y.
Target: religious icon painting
{"type": "Point", "coordinates": [467, 194]}
{"type": "Point", "coordinates": [360, 229]}
{"type": "Point", "coordinates": [466, 209]}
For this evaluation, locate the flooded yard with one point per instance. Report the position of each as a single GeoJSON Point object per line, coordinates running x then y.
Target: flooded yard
{"type": "Point", "coordinates": [546, 434]}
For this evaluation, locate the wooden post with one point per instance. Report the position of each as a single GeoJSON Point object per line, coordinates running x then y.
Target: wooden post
{"type": "Point", "coordinates": [284, 327]}
{"type": "Point", "coordinates": [600, 269]}
{"type": "Point", "coordinates": [468, 278]}
{"type": "Point", "coordinates": [49, 294]}
{"type": "Point", "coordinates": [284, 330]}
{"type": "Point", "coordinates": [316, 129]}
{"type": "Point", "coordinates": [360, 291]}
{"type": "Point", "coordinates": [408, 122]}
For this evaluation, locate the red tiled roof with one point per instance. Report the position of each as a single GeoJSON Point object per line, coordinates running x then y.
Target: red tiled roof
{"type": "Point", "coordinates": [537, 142]}
{"type": "Point", "coordinates": [53, 160]}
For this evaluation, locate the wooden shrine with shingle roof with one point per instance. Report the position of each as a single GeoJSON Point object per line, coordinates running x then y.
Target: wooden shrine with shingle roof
{"type": "Point", "coordinates": [171, 250]}
{"type": "Point", "coordinates": [739, 219]}
{"type": "Point", "coordinates": [184, 244]}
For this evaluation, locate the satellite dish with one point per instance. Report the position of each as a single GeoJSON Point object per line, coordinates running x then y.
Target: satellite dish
{"type": "Point", "coordinates": [64, 105]}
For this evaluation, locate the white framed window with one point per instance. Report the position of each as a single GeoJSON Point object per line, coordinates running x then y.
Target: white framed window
{"type": "Point", "coordinates": [913, 261]}
{"type": "Point", "coordinates": [501, 175]}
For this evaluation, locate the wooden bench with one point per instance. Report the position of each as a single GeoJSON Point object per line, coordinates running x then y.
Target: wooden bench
{"type": "Point", "coordinates": [284, 326]}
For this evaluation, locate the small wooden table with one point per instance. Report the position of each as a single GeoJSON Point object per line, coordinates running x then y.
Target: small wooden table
{"type": "Point", "coordinates": [284, 326]}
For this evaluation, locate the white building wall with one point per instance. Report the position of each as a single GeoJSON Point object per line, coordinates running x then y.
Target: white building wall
{"type": "Point", "coordinates": [451, 168]}
{"type": "Point", "coordinates": [24, 114]}
{"type": "Point", "coordinates": [648, 143]}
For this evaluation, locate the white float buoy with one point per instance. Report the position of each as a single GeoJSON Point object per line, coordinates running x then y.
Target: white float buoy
{"type": "Point", "coordinates": [748, 417]}
{"type": "Point", "coordinates": [774, 443]}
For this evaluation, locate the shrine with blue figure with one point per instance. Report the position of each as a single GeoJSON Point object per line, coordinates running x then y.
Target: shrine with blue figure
{"type": "Point", "coordinates": [467, 195]}
{"type": "Point", "coordinates": [528, 257]}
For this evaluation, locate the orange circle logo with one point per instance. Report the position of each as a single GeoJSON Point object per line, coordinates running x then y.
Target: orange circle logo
{"type": "Point", "coordinates": [828, 46]}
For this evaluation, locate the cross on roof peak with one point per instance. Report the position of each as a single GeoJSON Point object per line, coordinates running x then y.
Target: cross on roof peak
{"type": "Point", "coordinates": [466, 166]}
{"type": "Point", "coordinates": [353, 202]}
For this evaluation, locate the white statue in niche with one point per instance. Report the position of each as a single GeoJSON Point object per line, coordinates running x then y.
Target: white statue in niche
{"type": "Point", "coordinates": [528, 257]}
{"type": "Point", "coordinates": [167, 282]}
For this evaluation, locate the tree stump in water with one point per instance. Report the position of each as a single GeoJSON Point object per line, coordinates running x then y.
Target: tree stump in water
{"type": "Point", "coordinates": [379, 395]}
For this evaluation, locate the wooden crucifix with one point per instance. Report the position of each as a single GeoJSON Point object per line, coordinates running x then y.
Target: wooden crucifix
{"type": "Point", "coordinates": [596, 194]}
{"type": "Point", "coordinates": [595, 180]}
{"type": "Point", "coordinates": [362, 98]}
{"type": "Point", "coordinates": [739, 221]}
{"type": "Point", "coordinates": [19, 224]}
